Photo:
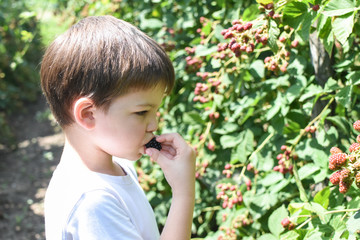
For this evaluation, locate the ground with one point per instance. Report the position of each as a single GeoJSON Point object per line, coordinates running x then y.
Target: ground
{"type": "Point", "coordinates": [25, 172]}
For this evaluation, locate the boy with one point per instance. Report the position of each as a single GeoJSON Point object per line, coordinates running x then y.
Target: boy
{"type": "Point", "coordinates": [104, 80]}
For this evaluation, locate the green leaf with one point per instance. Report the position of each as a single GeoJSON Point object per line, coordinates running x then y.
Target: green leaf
{"type": "Point", "coordinates": [151, 23]}
{"type": "Point", "coordinates": [228, 141]}
{"type": "Point", "coordinates": [297, 66]}
{"type": "Point", "coordinates": [319, 210]}
{"type": "Point", "coordinates": [344, 96]}
{"type": "Point", "coordinates": [338, 224]}
{"type": "Point", "coordinates": [219, 14]}
{"type": "Point", "coordinates": [291, 235]}
{"type": "Point", "coordinates": [193, 118]}
{"type": "Point", "coordinates": [304, 32]}
{"type": "Point", "coordinates": [307, 170]}
{"type": "Point", "coordinates": [322, 197]}
{"type": "Point", "coordinates": [339, 122]}
{"type": "Point", "coordinates": [339, 7]}
{"type": "Point", "coordinates": [257, 69]}
{"type": "Point", "coordinates": [343, 26]}
{"type": "Point", "coordinates": [293, 92]}
{"type": "Point", "coordinates": [311, 91]}
{"type": "Point", "coordinates": [202, 50]}
{"type": "Point", "coordinates": [274, 32]}
{"type": "Point", "coordinates": [353, 224]}
{"type": "Point", "coordinates": [274, 222]}
{"type": "Point", "coordinates": [354, 77]}
{"type": "Point", "coordinates": [267, 236]}
{"type": "Point", "coordinates": [251, 12]}
{"type": "Point", "coordinates": [293, 13]}
{"type": "Point", "coordinates": [271, 178]}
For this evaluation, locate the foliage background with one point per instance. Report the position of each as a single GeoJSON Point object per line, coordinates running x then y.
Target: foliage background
{"type": "Point", "coordinates": [239, 128]}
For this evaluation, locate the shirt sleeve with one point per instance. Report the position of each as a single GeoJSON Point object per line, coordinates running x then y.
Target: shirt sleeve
{"type": "Point", "coordinates": [99, 215]}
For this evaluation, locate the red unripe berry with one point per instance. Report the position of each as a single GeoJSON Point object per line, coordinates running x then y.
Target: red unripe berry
{"type": "Point", "coordinates": [356, 125]}
{"type": "Point", "coordinates": [267, 59]}
{"type": "Point", "coordinates": [335, 178]}
{"type": "Point", "coordinates": [271, 13]}
{"type": "Point", "coordinates": [291, 226]}
{"type": "Point", "coordinates": [248, 25]}
{"type": "Point", "coordinates": [316, 7]}
{"type": "Point", "coordinates": [269, 6]}
{"type": "Point", "coordinates": [354, 147]}
{"type": "Point", "coordinates": [295, 43]}
{"type": "Point", "coordinates": [228, 35]}
{"type": "Point", "coordinates": [228, 166]}
{"type": "Point", "coordinates": [236, 21]}
{"type": "Point", "coordinates": [345, 175]}
{"type": "Point", "coordinates": [335, 150]}
{"type": "Point", "coordinates": [332, 167]}
{"type": "Point", "coordinates": [282, 39]}
{"type": "Point", "coordinates": [283, 147]}
{"type": "Point", "coordinates": [344, 187]}
{"type": "Point", "coordinates": [312, 129]}
{"type": "Point", "coordinates": [338, 159]}
{"type": "Point", "coordinates": [283, 69]}
{"type": "Point", "coordinates": [285, 222]}
{"type": "Point", "coordinates": [211, 147]}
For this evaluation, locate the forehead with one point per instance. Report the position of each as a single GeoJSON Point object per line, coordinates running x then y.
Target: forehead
{"type": "Point", "coordinates": [142, 97]}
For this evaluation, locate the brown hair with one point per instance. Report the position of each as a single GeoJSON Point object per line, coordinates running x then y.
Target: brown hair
{"type": "Point", "coordinates": [101, 57]}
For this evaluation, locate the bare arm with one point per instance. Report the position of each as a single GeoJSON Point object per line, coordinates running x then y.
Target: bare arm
{"type": "Point", "coordinates": [177, 160]}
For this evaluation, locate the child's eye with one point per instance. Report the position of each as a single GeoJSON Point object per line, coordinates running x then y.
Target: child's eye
{"type": "Point", "coordinates": [141, 113]}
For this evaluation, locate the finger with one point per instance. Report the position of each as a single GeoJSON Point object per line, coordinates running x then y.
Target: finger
{"type": "Point", "coordinates": [169, 137]}
{"type": "Point", "coordinates": [153, 153]}
{"type": "Point", "coordinates": [169, 149]}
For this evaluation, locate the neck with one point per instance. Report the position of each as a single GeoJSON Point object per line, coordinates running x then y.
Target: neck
{"type": "Point", "coordinates": [80, 151]}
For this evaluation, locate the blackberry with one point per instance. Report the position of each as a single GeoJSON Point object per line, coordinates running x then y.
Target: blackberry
{"type": "Point", "coordinates": [153, 144]}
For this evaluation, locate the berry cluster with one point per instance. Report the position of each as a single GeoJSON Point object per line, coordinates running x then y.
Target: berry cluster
{"type": "Point", "coordinates": [310, 129]}
{"type": "Point", "coordinates": [228, 170]}
{"type": "Point", "coordinates": [243, 38]}
{"type": "Point", "coordinates": [347, 166]}
{"type": "Point", "coordinates": [287, 224]}
{"type": "Point", "coordinates": [229, 194]}
{"type": "Point", "coordinates": [193, 63]}
{"type": "Point", "coordinates": [242, 220]}
{"type": "Point", "coordinates": [284, 164]}
{"type": "Point", "coordinates": [204, 90]}
{"type": "Point", "coordinates": [201, 169]}
{"type": "Point", "coordinates": [230, 233]}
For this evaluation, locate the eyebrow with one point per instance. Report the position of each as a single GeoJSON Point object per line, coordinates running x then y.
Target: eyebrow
{"type": "Point", "coordinates": [145, 105]}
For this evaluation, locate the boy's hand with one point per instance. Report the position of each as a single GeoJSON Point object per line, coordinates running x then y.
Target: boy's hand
{"type": "Point", "coordinates": [177, 160]}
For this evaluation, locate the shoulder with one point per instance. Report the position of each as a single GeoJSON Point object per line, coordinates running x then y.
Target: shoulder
{"type": "Point", "coordinates": [98, 213]}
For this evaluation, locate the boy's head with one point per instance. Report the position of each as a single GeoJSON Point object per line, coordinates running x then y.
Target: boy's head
{"type": "Point", "coordinates": [101, 58]}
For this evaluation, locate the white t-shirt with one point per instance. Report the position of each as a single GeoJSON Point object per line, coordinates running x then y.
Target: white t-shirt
{"type": "Point", "coordinates": [81, 204]}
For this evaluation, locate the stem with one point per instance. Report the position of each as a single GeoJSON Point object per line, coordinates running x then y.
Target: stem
{"type": "Point", "coordinates": [253, 155]}
{"type": "Point", "coordinates": [343, 210]}
{"type": "Point", "coordinates": [302, 132]}
{"type": "Point", "coordinates": [207, 131]}
{"type": "Point", "coordinates": [303, 195]}
{"type": "Point", "coordinates": [328, 212]}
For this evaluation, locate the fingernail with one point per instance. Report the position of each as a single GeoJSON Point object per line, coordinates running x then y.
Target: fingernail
{"type": "Point", "coordinates": [148, 152]}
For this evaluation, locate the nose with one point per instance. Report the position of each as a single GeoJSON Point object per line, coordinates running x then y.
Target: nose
{"type": "Point", "coordinates": [153, 124]}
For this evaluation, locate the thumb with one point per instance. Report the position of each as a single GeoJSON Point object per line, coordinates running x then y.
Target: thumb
{"type": "Point", "coordinates": [153, 153]}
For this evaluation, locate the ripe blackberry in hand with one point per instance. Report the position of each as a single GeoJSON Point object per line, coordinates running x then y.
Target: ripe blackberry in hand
{"type": "Point", "coordinates": [153, 144]}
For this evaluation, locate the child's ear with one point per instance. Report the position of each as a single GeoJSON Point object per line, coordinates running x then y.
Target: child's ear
{"type": "Point", "coordinates": [84, 113]}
